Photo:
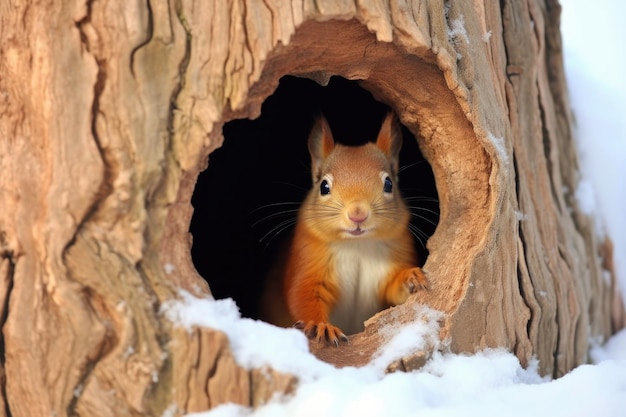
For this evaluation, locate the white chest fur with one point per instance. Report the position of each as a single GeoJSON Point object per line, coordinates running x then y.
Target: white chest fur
{"type": "Point", "coordinates": [361, 267]}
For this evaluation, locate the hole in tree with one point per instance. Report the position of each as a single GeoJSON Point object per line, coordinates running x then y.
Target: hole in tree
{"type": "Point", "coordinates": [245, 202]}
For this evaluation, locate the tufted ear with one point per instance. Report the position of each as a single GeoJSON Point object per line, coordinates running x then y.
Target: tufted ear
{"type": "Point", "coordinates": [321, 143]}
{"type": "Point", "coordinates": [390, 140]}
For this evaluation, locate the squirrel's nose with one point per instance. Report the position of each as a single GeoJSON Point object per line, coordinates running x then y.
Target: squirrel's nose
{"type": "Point", "coordinates": [358, 214]}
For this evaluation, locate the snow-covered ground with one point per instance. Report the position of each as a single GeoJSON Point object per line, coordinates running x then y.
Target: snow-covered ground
{"type": "Point", "coordinates": [490, 383]}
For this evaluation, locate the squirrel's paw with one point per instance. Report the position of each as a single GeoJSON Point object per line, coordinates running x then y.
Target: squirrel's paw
{"type": "Point", "coordinates": [406, 282]}
{"type": "Point", "coordinates": [415, 280]}
{"type": "Point", "coordinates": [322, 332]}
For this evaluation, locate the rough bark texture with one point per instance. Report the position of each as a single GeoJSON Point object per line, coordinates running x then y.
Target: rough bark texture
{"type": "Point", "coordinates": [109, 110]}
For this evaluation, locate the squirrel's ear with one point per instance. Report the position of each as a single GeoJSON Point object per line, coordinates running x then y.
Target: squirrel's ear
{"type": "Point", "coordinates": [390, 138]}
{"type": "Point", "coordinates": [321, 143]}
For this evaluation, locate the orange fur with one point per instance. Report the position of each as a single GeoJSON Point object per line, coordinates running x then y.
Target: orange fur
{"type": "Point", "coordinates": [352, 252]}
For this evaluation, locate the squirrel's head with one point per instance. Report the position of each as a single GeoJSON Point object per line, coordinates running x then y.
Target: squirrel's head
{"type": "Point", "coordinates": [355, 193]}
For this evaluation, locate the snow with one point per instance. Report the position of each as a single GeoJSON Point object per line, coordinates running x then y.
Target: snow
{"type": "Point", "coordinates": [169, 268]}
{"type": "Point", "coordinates": [457, 30]}
{"type": "Point", "coordinates": [402, 341]}
{"type": "Point", "coordinates": [492, 382]}
{"type": "Point", "coordinates": [500, 145]}
{"type": "Point", "coordinates": [587, 201]}
{"type": "Point", "coordinates": [489, 383]}
{"type": "Point", "coordinates": [615, 348]}
{"type": "Point", "coordinates": [254, 343]}
{"type": "Point", "coordinates": [458, 35]}
{"type": "Point", "coordinates": [595, 61]}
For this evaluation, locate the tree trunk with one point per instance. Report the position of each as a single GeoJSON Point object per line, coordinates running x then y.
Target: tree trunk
{"type": "Point", "coordinates": [109, 110]}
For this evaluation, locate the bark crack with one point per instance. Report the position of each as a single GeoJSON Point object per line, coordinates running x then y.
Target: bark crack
{"type": "Point", "coordinates": [150, 30]}
{"type": "Point", "coordinates": [548, 151]}
{"type": "Point", "coordinates": [105, 188]}
{"type": "Point", "coordinates": [182, 71]}
{"type": "Point", "coordinates": [523, 244]}
{"type": "Point", "coordinates": [274, 21]}
{"type": "Point", "coordinates": [250, 48]}
{"type": "Point", "coordinates": [11, 260]}
{"type": "Point", "coordinates": [109, 340]}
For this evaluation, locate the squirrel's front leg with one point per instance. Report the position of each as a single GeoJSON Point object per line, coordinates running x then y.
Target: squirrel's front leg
{"type": "Point", "coordinates": [310, 301]}
{"type": "Point", "coordinates": [402, 284]}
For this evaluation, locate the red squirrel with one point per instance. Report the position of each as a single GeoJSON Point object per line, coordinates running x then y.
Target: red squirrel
{"type": "Point", "coordinates": [352, 252]}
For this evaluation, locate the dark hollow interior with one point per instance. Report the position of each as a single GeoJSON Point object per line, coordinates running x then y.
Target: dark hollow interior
{"type": "Point", "coordinates": [245, 202]}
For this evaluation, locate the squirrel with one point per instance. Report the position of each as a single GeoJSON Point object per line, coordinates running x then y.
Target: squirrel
{"type": "Point", "coordinates": [352, 253]}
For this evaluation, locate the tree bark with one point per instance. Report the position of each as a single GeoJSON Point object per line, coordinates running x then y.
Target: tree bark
{"type": "Point", "coordinates": [109, 110]}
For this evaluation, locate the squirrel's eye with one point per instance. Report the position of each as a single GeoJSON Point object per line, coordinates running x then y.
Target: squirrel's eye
{"type": "Point", "coordinates": [388, 185]}
{"type": "Point", "coordinates": [324, 188]}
